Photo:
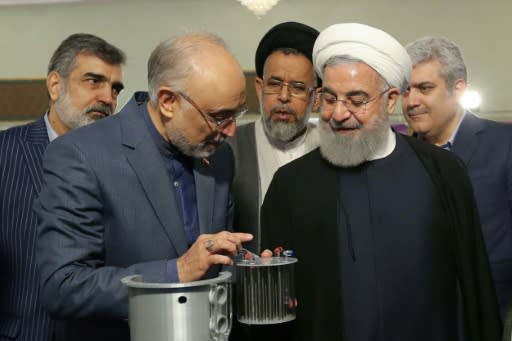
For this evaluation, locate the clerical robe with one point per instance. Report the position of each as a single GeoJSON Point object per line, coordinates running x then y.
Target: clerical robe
{"type": "Point", "coordinates": [383, 248]}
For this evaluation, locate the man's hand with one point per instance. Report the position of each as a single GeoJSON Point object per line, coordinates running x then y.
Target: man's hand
{"type": "Point", "coordinates": [207, 250]}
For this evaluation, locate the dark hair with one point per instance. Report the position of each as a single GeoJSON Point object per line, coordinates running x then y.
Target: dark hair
{"type": "Point", "coordinates": [64, 57]}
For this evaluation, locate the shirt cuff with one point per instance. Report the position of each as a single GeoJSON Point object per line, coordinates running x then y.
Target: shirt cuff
{"type": "Point", "coordinates": [172, 272]}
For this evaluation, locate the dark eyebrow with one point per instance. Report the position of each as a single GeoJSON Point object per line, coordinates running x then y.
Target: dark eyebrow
{"type": "Point", "coordinates": [347, 95]}
{"type": "Point", "coordinates": [281, 80]}
{"type": "Point", "coordinates": [420, 84]}
{"type": "Point", "coordinates": [96, 76]}
{"type": "Point", "coordinates": [357, 93]}
{"type": "Point", "coordinates": [328, 90]}
{"type": "Point", "coordinates": [118, 86]}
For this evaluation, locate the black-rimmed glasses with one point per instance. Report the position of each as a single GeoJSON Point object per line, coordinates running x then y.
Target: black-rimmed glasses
{"type": "Point", "coordinates": [355, 104]}
{"type": "Point", "coordinates": [275, 86]}
{"type": "Point", "coordinates": [220, 124]}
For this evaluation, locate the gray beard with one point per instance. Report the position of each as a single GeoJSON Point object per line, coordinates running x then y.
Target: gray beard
{"type": "Point", "coordinates": [350, 151]}
{"type": "Point", "coordinates": [200, 150]}
{"type": "Point", "coordinates": [73, 117]}
{"type": "Point", "coordinates": [279, 131]}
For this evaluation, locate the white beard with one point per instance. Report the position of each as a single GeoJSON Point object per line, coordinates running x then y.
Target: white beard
{"type": "Point", "coordinates": [350, 151]}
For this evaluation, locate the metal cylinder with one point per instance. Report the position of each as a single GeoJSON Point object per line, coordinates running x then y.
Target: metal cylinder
{"type": "Point", "coordinates": [194, 311]}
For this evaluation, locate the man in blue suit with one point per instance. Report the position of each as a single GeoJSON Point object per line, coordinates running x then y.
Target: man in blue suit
{"type": "Point", "coordinates": [84, 79]}
{"type": "Point", "coordinates": [431, 107]}
{"type": "Point", "coordinates": [145, 192]}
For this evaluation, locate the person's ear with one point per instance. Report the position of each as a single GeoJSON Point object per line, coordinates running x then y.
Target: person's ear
{"type": "Point", "coordinates": [459, 89]}
{"type": "Point", "coordinates": [393, 94]}
{"type": "Point", "coordinates": [258, 84]}
{"type": "Point", "coordinates": [166, 101]}
{"type": "Point", "coordinates": [54, 84]}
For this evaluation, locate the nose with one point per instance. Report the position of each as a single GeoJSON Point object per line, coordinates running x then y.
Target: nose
{"type": "Point", "coordinates": [410, 99]}
{"type": "Point", "coordinates": [340, 112]}
{"type": "Point", "coordinates": [284, 94]}
{"type": "Point", "coordinates": [108, 96]}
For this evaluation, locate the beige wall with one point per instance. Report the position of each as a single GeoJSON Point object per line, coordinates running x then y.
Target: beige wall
{"type": "Point", "coordinates": [28, 35]}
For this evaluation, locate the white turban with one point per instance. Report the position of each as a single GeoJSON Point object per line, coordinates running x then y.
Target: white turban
{"type": "Point", "coordinates": [374, 47]}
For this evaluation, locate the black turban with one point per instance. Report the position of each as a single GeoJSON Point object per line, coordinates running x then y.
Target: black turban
{"type": "Point", "coordinates": [285, 35]}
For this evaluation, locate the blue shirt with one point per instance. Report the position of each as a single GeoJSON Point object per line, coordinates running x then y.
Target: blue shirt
{"type": "Point", "coordinates": [181, 174]}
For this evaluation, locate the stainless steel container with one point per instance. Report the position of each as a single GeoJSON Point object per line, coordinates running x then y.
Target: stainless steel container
{"type": "Point", "coordinates": [265, 290]}
{"type": "Point", "coordinates": [194, 311]}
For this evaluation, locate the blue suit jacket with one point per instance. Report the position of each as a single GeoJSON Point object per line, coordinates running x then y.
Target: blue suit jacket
{"type": "Point", "coordinates": [21, 315]}
{"type": "Point", "coordinates": [486, 149]}
{"type": "Point", "coordinates": [107, 210]}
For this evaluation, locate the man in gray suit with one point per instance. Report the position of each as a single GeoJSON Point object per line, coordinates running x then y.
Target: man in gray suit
{"type": "Point", "coordinates": [285, 85]}
{"type": "Point", "coordinates": [147, 192]}
{"type": "Point", "coordinates": [83, 81]}
{"type": "Point", "coordinates": [432, 109]}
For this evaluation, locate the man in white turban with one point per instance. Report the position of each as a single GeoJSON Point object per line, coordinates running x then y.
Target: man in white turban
{"type": "Point", "coordinates": [385, 227]}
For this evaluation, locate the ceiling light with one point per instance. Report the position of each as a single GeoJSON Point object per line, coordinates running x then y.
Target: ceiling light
{"type": "Point", "coordinates": [259, 7]}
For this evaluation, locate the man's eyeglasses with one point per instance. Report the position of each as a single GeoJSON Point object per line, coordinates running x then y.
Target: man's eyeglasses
{"type": "Point", "coordinates": [222, 123]}
{"type": "Point", "coordinates": [296, 89]}
{"type": "Point", "coordinates": [355, 104]}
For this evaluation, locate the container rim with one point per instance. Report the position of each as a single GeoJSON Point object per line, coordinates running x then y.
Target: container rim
{"type": "Point", "coordinates": [137, 281]}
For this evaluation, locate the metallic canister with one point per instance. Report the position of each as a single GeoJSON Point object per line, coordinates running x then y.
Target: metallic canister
{"type": "Point", "coordinates": [193, 311]}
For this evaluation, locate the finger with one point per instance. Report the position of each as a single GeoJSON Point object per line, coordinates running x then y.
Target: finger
{"type": "Point", "coordinates": [243, 237]}
{"type": "Point", "coordinates": [220, 259]}
{"type": "Point", "coordinates": [224, 246]}
{"type": "Point", "coordinates": [266, 253]}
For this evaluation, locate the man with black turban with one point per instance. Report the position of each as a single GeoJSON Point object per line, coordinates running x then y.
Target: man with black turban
{"type": "Point", "coordinates": [285, 86]}
{"type": "Point", "coordinates": [385, 226]}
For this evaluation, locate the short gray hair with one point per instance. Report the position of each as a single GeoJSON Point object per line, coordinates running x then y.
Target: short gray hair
{"type": "Point", "coordinates": [64, 58]}
{"type": "Point", "coordinates": [448, 53]}
{"type": "Point", "coordinates": [171, 62]}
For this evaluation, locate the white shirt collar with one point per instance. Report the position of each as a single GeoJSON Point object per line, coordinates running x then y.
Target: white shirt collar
{"type": "Point", "coordinates": [52, 135]}
{"type": "Point", "coordinates": [386, 148]}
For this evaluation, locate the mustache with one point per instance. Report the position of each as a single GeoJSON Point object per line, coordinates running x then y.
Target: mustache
{"type": "Point", "coordinates": [283, 107]}
{"type": "Point", "coordinates": [416, 111]}
{"type": "Point", "coordinates": [347, 124]}
{"type": "Point", "coordinates": [101, 108]}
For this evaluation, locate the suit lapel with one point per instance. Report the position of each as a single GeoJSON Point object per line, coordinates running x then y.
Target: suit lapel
{"type": "Point", "coordinates": [148, 165]}
{"type": "Point", "coordinates": [466, 140]}
{"type": "Point", "coordinates": [33, 146]}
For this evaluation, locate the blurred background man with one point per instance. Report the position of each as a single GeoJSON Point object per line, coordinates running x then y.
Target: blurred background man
{"type": "Point", "coordinates": [84, 79]}
{"type": "Point", "coordinates": [285, 87]}
{"type": "Point", "coordinates": [431, 106]}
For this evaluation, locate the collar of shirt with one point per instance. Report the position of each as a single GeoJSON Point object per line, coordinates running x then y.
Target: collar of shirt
{"type": "Point", "coordinates": [449, 144]}
{"type": "Point", "coordinates": [385, 148]}
{"type": "Point", "coordinates": [52, 135]}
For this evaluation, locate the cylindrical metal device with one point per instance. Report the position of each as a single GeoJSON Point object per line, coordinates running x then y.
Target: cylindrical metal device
{"type": "Point", "coordinates": [194, 311]}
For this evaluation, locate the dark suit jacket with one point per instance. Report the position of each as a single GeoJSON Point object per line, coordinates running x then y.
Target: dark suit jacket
{"type": "Point", "coordinates": [303, 212]}
{"type": "Point", "coordinates": [107, 210]}
{"type": "Point", "coordinates": [246, 185]}
{"type": "Point", "coordinates": [486, 149]}
{"type": "Point", "coordinates": [21, 316]}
